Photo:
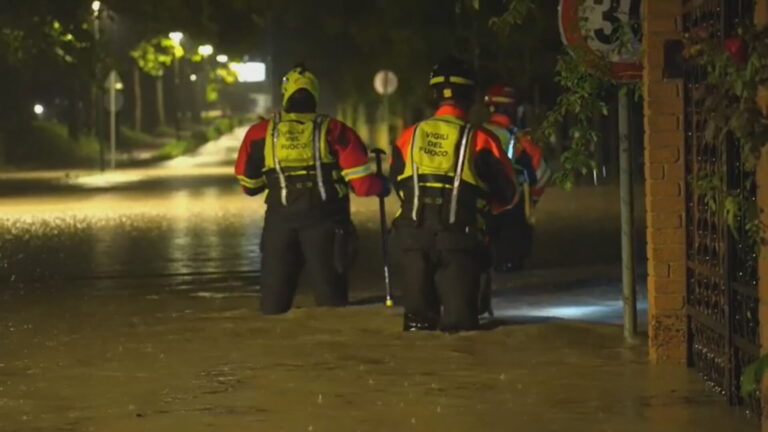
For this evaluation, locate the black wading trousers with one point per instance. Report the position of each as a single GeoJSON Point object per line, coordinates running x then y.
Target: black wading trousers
{"type": "Point", "coordinates": [439, 277]}
{"type": "Point", "coordinates": [511, 239]}
{"type": "Point", "coordinates": [289, 245]}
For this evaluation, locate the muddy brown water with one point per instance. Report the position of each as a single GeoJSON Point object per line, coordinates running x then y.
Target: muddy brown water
{"type": "Point", "coordinates": [136, 310]}
{"type": "Point", "coordinates": [153, 360]}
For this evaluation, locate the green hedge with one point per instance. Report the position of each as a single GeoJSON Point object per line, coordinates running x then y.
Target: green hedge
{"type": "Point", "coordinates": [47, 144]}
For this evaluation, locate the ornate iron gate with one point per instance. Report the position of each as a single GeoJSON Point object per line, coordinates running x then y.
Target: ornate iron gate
{"type": "Point", "coordinates": [722, 275]}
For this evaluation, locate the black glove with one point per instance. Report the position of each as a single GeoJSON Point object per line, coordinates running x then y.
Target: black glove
{"type": "Point", "coordinates": [386, 186]}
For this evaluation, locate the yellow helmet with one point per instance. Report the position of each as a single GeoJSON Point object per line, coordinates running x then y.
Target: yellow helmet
{"type": "Point", "coordinates": [299, 78]}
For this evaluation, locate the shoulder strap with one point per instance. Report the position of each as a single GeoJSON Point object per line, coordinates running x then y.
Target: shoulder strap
{"type": "Point", "coordinates": [316, 138]}
{"type": "Point", "coordinates": [276, 160]}
{"type": "Point", "coordinates": [462, 159]}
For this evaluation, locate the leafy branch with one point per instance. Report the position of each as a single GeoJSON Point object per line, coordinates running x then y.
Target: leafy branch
{"type": "Point", "coordinates": [587, 83]}
{"type": "Point", "coordinates": [585, 90]}
{"type": "Point", "coordinates": [736, 70]}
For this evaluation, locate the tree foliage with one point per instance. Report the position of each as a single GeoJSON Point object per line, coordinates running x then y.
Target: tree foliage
{"type": "Point", "coordinates": [736, 70]}
{"type": "Point", "coordinates": [154, 55]}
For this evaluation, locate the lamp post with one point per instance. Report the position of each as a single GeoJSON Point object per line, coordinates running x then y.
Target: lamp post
{"type": "Point", "coordinates": [201, 83]}
{"type": "Point", "coordinates": [176, 37]}
{"type": "Point", "coordinates": [96, 8]}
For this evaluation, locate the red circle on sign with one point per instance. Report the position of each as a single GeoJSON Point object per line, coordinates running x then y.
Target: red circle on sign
{"type": "Point", "coordinates": [572, 35]}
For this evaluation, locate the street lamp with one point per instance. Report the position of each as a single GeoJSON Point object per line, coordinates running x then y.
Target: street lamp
{"type": "Point", "coordinates": [96, 91]}
{"type": "Point", "coordinates": [222, 58]}
{"type": "Point", "coordinates": [205, 50]}
{"type": "Point", "coordinates": [39, 109]}
{"type": "Point", "coordinates": [176, 37]}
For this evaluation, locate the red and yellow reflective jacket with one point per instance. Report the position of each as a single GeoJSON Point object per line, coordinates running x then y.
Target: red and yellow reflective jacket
{"type": "Point", "coordinates": [340, 155]}
{"type": "Point", "coordinates": [427, 166]}
{"type": "Point", "coordinates": [527, 154]}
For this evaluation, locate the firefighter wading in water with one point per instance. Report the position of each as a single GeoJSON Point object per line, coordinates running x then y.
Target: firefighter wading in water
{"type": "Point", "coordinates": [511, 231]}
{"type": "Point", "coordinates": [447, 174]}
{"type": "Point", "coordinates": [307, 162]}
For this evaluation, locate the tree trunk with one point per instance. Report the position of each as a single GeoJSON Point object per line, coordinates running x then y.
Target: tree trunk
{"type": "Point", "coordinates": [160, 102]}
{"type": "Point", "coordinates": [2, 151]}
{"type": "Point", "coordinates": [137, 109]}
{"type": "Point", "coordinates": [73, 116]}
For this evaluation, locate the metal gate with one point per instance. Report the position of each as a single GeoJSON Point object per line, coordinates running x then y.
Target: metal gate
{"type": "Point", "coordinates": [721, 274]}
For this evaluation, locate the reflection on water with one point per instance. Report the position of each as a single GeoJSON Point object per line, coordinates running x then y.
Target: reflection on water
{"type": "Point", "coordinates": [206, 231]}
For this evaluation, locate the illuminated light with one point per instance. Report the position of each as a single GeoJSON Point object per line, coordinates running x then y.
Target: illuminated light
{"type": "Point", "coordinates": [96, 6]}
{"type": "Point", "coordinates": [176, 37]}
{"type": "Point", "coordinates": [250, 72]}
{"type": "Point", "coordinates": [39, 109]}
{"type": "Point", "coordinates": [106, 180]}
{"type": "Point", "coordinates": [119, 85]}
{"type": "Point", "coordinates": [205, 50]}
{"type": "Point", "coordinates": [222, 58]}
{"type": "Point", "coordinates": [193, 77]}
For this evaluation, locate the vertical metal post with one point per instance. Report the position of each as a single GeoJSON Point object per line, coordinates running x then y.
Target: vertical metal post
{"type": "Point", "coordinates": [112, 117]}
{"type": "Point", "coordinates": [385, 144]}
{"type": "Point", "coordinates": [176, 94]}
{"type": "Point", "coordinates": [627, 243]}
{"type": "Point", "coordinates": [98, 102]}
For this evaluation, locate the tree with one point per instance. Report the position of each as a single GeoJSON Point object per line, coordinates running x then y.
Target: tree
{"type": "Point", "coordinates": [152, 57]}
{"type": "Point", "coordinates": [49, 41]}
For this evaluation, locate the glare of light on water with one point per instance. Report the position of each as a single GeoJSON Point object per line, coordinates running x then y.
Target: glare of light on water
{"type": "Point", "coordinates": [106, 180]}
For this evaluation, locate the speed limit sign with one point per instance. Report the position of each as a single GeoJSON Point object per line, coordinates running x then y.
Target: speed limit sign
{"type": "Point", "coordinates": [608, 28]}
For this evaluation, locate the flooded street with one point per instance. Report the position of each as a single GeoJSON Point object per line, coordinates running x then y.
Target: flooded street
{"type": "Point", "coordinates": [128, 302]}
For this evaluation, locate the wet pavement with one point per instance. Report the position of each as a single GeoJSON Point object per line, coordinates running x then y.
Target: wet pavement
{"type": "Point", "coordinates": [128, 302]}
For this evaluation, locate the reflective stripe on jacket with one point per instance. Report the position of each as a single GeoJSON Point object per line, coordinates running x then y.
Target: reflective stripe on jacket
{"type": "Point", "coordinates": [519, 143]}
{"type": "Point", "coordinates": [342, 154]}
{"type": "Point", "coordinates": [447, 170]}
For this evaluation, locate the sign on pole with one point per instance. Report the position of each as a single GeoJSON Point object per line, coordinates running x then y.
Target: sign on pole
{"type": "Point", "coordinates": [597, 25]}
{"type": "Point", "coordinates": [385, 82]}
{"type": "Point", "coordinates": [113, 84]}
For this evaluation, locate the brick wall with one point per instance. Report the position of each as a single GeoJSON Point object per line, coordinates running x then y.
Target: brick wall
{"type": "Point", "coordinates": [664, 172]}
{"type": "Point", "coordinates": [761, 18]}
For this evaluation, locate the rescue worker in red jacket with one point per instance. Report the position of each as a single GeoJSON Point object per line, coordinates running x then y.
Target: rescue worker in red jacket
{"type": "Point", "coordinates": [307, 162]}
{"type": "Point", "coordinates": [447, 173]}
{"type": "Point", "coordinates": [511, 231]}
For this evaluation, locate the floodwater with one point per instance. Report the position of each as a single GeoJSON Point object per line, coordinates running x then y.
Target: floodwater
{"type": "Point", "coordinates": [129, 302]}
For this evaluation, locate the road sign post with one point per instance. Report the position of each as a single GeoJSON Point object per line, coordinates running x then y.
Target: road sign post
{"type": "Point", "coordinates": [385, 83]}
{"type": "Point", "coordinates": [596, 27]}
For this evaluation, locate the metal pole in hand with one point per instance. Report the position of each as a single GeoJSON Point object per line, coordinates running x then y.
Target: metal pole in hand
{"type": "Point", "coordinates": [383, 221]}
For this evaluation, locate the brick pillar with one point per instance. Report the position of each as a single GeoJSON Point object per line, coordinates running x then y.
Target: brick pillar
{"type": "Point", "coordinates": [665, 174]}
{"type": "Point", "coordinates": [762, 288]}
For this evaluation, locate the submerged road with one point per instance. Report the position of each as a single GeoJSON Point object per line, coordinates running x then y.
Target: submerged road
{"type": "Point", "coordinates": [182, 219]}
{"type": "Point", "coordinates": [185, 225]}
{"type": "Point", "coordinates": [128, 302]}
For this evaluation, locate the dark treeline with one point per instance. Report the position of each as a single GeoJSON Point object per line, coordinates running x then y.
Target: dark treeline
{"type": "Point", "coordinates": [59, 53]}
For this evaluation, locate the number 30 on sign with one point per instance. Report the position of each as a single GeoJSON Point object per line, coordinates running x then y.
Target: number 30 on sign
{"type": "Point", "coordinates": [609, 28]}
